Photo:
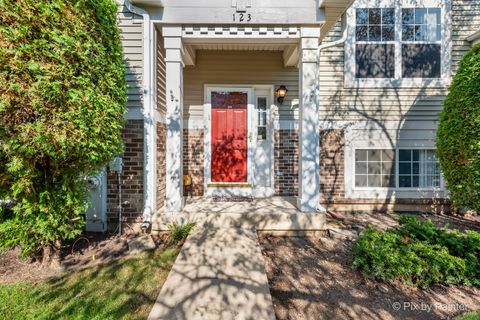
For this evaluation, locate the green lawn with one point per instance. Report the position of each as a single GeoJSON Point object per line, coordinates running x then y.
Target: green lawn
{"type": "Point", "coordinates": [475, 315]}
{"type": "Point", "coordinates": [123, 289]}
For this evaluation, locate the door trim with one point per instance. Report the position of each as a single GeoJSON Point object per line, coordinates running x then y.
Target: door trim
{"type": "Point", "coordinates": [216, 188]}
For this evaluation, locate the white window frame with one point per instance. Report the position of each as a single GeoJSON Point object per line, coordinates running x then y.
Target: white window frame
{"type": "Point", "coordinates": [353, 191]}
{"type": "Point", "coordinates": [398, 82]}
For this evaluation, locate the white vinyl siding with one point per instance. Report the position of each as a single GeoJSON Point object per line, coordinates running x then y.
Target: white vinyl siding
{"type": "Point", "coordinates": [238, 68]}
{"type": "Point", "coordinates": [132, 42]}
{"type": "Point", "coordinates": [160, 75]}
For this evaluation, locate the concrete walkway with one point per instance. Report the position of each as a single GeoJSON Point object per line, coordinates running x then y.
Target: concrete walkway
{"type": "Point", "coordinates": [220, 272]}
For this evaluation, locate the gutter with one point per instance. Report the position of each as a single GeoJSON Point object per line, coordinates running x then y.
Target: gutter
{"type": "Point", "coordinates": [150, 134]}
{"type": "Point", "coordinates": [334, 43]}
{"type": "Point", "coordinates": [473, 37]}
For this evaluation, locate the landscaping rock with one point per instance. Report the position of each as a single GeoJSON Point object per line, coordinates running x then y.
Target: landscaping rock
{"type": "Point", "coordinates": [141, 244]}
{"type": "Point", "coordinates": [382, 288]}
{"type": "Point", "coordinates": [342, 234]}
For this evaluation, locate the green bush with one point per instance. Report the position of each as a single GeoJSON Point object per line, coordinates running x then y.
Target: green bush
{"type": "Point", "coordinates": [180, 232]}
{"type": "Point", "coordinates": [458, 135]}
{"type": "Point", "coordinates": [420, 254]}
{"type": "Point", "coordinates": [62, 97]}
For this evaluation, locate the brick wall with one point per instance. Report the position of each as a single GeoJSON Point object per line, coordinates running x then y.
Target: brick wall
{"type": "Point", "coordinates": [161, 165]}
{"type": "Point", "coordinates": [193, 160]}
{"type": "Point", "coordinates": [332, 165]}
{"type": "Point", "coordinates": [132, 177]}
{"type": "Point", "coordinates": [286, 162]}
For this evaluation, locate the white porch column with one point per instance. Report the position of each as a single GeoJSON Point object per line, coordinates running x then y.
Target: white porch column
{"type": "Point", "coordinates": [309, 134]}
{"type": "Point", "coordinates": [174, 118]}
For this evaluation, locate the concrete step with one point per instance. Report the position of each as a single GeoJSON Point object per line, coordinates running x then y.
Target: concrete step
{"type": "Point", "coordinates": [253, 221]}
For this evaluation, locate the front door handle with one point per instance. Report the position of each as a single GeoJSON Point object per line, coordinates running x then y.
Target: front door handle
{"type": "Point", "coordinates": [250, 137]}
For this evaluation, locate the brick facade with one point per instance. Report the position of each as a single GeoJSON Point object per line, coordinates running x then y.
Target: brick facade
{"type": "Point", "coordinates": [332, 165]}
{"type": "Point", "coordinates": [132, 177]}
{"type": "Point", "coordinates": [161, 164]}
{"type": "Point", "coordinates": [286, 162]}
{"type": "Point", "coordinates": [332, 144]}
{"type": "Point", "coordinates": [193, 160]}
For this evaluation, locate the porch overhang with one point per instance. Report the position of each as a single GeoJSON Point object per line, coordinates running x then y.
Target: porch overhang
{"type": "Point", "coordinates": [229, 38]}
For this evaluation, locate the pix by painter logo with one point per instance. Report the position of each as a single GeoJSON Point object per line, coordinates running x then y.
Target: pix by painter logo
{"type": "Point", "coordinates": [411, 306]}
{"type": "Point", "coordinates": [427, 307]}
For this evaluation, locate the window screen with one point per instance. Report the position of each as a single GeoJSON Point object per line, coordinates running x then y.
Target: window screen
{"type": "Point", "coordinates": [375, 60]}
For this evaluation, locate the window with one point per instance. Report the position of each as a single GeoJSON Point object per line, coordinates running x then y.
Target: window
{"type": "Point", "coordinates": [262, 118]}
{"type": "Point", "coordinates": [375, 168]}
{"type": "Point", "coordinates": [398, 43]}
{"type": "Point", "coordinates": [379, 168]}
{"type": "Point", "coordinates": [418, 169]}
{"type": "Point", "coordinates": [375, 56]}
{"type": "Point", "coordinates": [421, 43]}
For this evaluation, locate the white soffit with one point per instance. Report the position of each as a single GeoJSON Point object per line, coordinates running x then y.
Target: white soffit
{"type": "Point", "coordinates": [334, 9]}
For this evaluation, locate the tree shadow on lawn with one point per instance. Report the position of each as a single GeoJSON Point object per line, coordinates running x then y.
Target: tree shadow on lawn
{"type": "Point", "coordinates": [312, 278]}
{"type": "Point", "coordinates": [127, 288]}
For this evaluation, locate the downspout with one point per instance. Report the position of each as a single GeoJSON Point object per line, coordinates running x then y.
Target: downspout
{"type": "Point", "coordinates": [342, 40]}
{"type": "Point", "coordinates": [150, 135]}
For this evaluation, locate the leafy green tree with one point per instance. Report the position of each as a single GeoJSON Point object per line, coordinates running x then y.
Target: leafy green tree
{"type": "Point", "coordinates": [62, 101]}
{"type": "Point", "coordinates": [458, 136]}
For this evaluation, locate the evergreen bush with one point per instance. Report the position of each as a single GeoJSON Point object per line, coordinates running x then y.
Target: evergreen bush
{"type": "Point", "coordinates": [62, 98]}
{"type": "Point", "coordinates": [419, 253]}
{"type": "Point", "coordinates": [458, 136]}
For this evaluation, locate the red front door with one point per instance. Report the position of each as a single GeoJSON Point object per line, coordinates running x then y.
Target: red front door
{"type": "Point", "coordinates": [229, 136]}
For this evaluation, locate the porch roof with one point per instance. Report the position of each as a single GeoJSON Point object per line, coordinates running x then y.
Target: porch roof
{"type": "Point", "coordinates": [268, 12]}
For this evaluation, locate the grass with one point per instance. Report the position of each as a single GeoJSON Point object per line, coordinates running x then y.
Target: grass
{"type": "Point", "coordinates": [123, 289]}
{"type": "Point", "coordinates": [180, 232]}
{"type": "Point", "coordinates": [475, 315]}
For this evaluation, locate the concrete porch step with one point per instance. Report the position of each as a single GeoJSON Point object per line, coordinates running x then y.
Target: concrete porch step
{"type": "Point", "coordinates": [254, 221]}
{"type": "Point", "coordinates": [276, 213]}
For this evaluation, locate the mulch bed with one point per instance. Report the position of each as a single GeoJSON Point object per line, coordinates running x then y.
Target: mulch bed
{"type": "Point", "coordinates": [84, 251]}
{"type": "Point", "coordinates": [311, 278]}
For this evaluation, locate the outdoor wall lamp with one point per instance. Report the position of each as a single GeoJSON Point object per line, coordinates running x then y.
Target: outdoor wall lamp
{"type": "Point", "coordinates": [281, 92]}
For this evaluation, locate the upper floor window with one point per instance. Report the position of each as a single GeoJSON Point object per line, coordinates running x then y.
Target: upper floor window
{"type": "Point", "coordinates": [375, 52]}
{"type": "Point", "coordinates": [421, 43]}
{"type": "Point", "coordinates": [392, 43]}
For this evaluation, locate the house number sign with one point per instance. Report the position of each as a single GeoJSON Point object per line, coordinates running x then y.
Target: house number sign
{"type": "Point", "coordinates": [241, 14]}
{"type": "Point", "coordinates": [242, 17]}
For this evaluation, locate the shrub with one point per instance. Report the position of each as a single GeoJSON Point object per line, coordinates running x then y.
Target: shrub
{"type": "Point", "coordinates": [420, 254]}
{"type": "Point", "coordinates": [180, 232]}
{"type": "Point", "coordinates": [62, 97]}
{"type": "Point", "coordinates": [458, 134]}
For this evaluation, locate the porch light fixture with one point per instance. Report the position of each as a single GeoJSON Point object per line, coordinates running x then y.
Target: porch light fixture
{"type": "Point", "coordinates": [281, 92]}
